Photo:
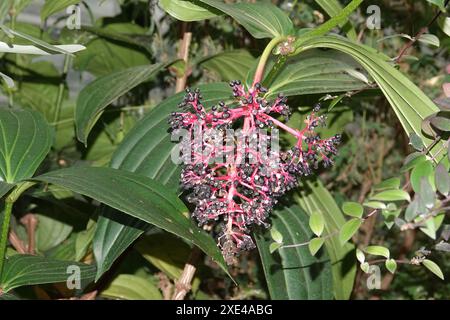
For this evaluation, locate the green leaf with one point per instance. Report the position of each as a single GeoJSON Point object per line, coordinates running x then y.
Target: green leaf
{"type": "Point", "coordinates": [315, 197]}
{"type": "Point", "coordinates": [5, 188]}
{"type": "Point", "coordinates": [426, 193]}
{"type": "Point", "coordinates": [229, 65]}
{"type": "Point", "coordinates": [412, 210]}
{"type": "Point", "coordinates": [391, 265]}
{"type": "Point", "coordinates": [262, 20]}
{"type": "Point", "coordinates": [274, 246]}
{"type": "Point", "coordinates": [409, 103]}
{"type": "Point", "coordinates": [53, 6]}
{"type": "Point", "coordinates": [24, 270]}
{"type": "Point", "coordinates": [276, 235]}
{"type": "Point", "coordinates": [311, 73]}
{"type": "Point", "coordinates": [118, 46]}
{"type": "Point", "coordinates": [49, 49]}
{"type": "Point", "coordinates": [145, 150]}
{"type": "Point", "coordinates": [442, 179]}
{"type": "Point", "coordinates": [422, 170]}
{"type": "Point", "coordinates": [391, 183]}
{"type": "Point", "coordinates": [416, 141]}
{"type": "Point", "coordinates": [430, 39]}
{"type": "Point", "coordinates": [444, 23]}
{"type": "Point", "coordinates": [50, 232]}
{"type": "Point", "coordinates": [439, 3]}
{"type": "Point", "coordinates": [96, 96]}
{"type": "Point", "coordinates": [378, 251]}
{"type": "Point", "coordinates": [338, 19]}
{"type": "Point", "coordinates": [433, 267]}
{"type": "Point", "coordinates": [316, 223]}
{"type": "Point", "coordinates": [25, 140]}
{"type": "Point", "coordinates": [412, 160]}
{"type": "Point", "coordinates": [391, 195]}
{"type": "Point", "coordinates": [83, 240]}
{"type": "Point", "coordinates": [375, 205]}
{"type": "Point", "coordinates": [333, 8]}
{"type": "Point", "coordinates": [188, 10]}
{"type": "Point", "coordinates": [293, 273]}
{"type": "Point", "coordinates": [8, 81]}
{"type": "Point", "coordinates": [315, 245]}
{"type": "Point", "coordinates": [441, 123]}
{"type": "Point", "coordinates": [137, 196]}
{"type": "Point", "coordinates": [360, 256]}
{"type": "Point", "coordinates": [130, 287]}
{"type": "Point", "coordinates": [349, 229]}
{"type": "Point", "coordinates": [353, 209]}
{"type": "Point", "coordinates": [365, 267]}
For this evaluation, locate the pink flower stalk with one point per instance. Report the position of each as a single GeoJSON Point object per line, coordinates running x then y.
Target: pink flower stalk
{"type": "Point", "coordinates": [242, 192]}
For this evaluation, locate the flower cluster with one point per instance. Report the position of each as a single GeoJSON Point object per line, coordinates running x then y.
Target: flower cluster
{"type": "Point", "coordinates": [241, 190]}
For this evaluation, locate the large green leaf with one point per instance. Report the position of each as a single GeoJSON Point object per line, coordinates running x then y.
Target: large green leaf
{"type": "Point", "coordinates": [314, 197]}
{"type": "Point", "coordinates": [229, 65]}
{"type": "Point", "coordinates": [137, 196]}
{"type": "Point", "coordinates": [262, 19]}
{"type": "Point", "coordinates": [25, 140]}
{"type": "Point", "coordinates": [316, 72]}
{"type": "Point", "coordinates": [293, 273]}
{"type": "Point", "coordinates": [24, 270]}
{"type": "Point", "coordinates": [409, 103]}
{"type": "Point", "coordinates": [186, 10]}
{"type": "Point", "coordinates": [118, 46]}
{"type": "Point", "coordinates": [145, 150]}
{"type": "Point", "coordinates": [96, 96]}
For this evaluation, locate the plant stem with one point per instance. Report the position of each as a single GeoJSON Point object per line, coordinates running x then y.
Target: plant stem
{"type": "Point", "coordinates": [4, 235]}
{"type": "Point", "coordinates": [265, 57]}
{"type": "Point", "coordinates": [67, 60]}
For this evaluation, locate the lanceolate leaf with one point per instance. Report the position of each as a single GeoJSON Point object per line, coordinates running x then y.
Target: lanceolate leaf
{"type": "Point", "coordinates": [96, 96]}
{"type": "Point", "coordinates": [293, 273]}
{"type": "Point", "coordinates": [312, 73]}
{"type": "Point", "coordinates": [186, 10]}
{"type": "Point", "coordinates": [25, 140]}
{"type": "Point", "coordinates": [138, 196]}
{"type": "Point", "coordinates": [24, 270]}
{"type": "Point", "coordinates": [145, 150]}
{"type": "Point", "coordinates": [433, 267]}
{"type": "Point", "coordinates": [262, 19]}
{"type": "Point", "coordinates": [314, 197]}
{"type": "Point", "coordinates": [409, 103]}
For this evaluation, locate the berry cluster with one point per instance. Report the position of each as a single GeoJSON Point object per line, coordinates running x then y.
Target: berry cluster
{"type": "Point", "coordinates": [241, 191]}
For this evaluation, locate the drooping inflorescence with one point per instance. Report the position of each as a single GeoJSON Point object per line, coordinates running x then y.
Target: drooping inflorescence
{"type": "Point", "coordinates": [235, 178]}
